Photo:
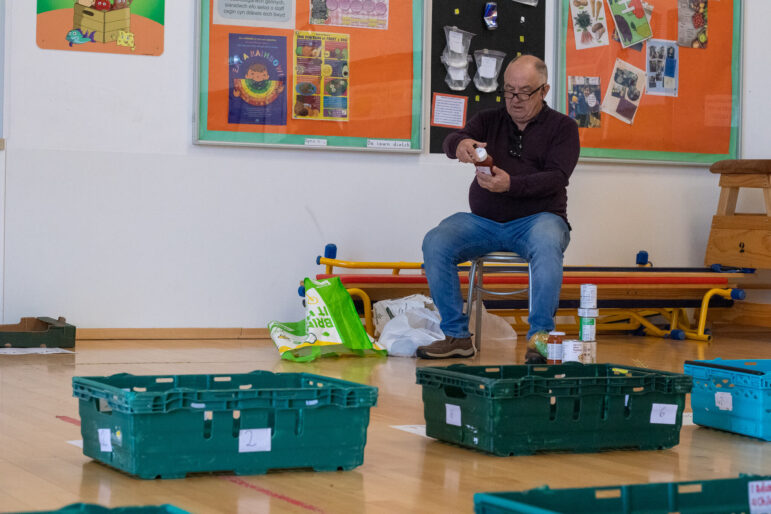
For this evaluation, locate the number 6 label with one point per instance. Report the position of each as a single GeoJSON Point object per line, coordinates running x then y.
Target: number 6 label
{"type": "Point", "coordinates": [254, 440]}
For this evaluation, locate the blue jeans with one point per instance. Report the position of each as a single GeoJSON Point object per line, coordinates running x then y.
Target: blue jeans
{"type": "Point", "coordinates": [541, 239]}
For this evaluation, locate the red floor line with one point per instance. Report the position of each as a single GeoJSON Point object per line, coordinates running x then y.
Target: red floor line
{"type": "Point", "coordinates": [297, 503]}
{"type": "Point", "coordinates": [69, 420]}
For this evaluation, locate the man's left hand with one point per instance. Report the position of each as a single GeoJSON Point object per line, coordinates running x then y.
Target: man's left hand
{"type": "Point", "coordinates": [498, 182]}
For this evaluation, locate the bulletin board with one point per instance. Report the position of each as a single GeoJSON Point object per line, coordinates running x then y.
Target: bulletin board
{"type": "Point", "coordinates": [333, 74]}
{"type": "Point", "coordinates": [2, 72]}
{"type": "Point", "coordinates": [520, 29]}
{"type": "Point", "coordinates": [691, 115]}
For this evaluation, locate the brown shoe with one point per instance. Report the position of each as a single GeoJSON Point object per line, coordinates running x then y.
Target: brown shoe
{"type": "Point", "coordinates": [534, 357]}
{"type": "Point", "coordinates": [447, 348]}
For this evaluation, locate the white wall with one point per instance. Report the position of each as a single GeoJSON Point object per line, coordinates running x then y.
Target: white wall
{"type": "Point", "coordinates": [114, 219]}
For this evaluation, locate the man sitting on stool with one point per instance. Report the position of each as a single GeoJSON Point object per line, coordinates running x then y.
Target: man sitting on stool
{"type": "Point", "coordinates": [521, 207]}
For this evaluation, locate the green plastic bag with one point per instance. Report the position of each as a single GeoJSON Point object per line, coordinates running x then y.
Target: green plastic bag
{"type": "Point", "coordinates": [331, 326]}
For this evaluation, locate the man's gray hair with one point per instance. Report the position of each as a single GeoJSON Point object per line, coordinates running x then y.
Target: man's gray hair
{"type": "Point", "coordinates": [538, 64]}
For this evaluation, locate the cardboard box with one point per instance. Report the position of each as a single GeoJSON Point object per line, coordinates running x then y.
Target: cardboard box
{"type": "Point", "coordinates": [38, 332]}
{"type": "Point", "coordinates": [104, 24]}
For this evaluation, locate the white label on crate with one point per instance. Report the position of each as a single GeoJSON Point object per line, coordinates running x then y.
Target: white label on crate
{"type": "Point", "coordinates": [313, 141]}
{"type": "Point", "coordinates": [452, 414]}
{"type": "Point", "coordinates": [105, 444]}
{"type": "Point", "coordinates": [760, 496]}
{"type": "Point", "coordinates": [663, 414]}
{"type": "Point", "coordinates": [311, 402]}
{"type": "Point", "coordinates": [198, 405]}
{"type": "Point", "coordinates": [724, 401]}
{"type": "Point", "coordinates": [254, 440]}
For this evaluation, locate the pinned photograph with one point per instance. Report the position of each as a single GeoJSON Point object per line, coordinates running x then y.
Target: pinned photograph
{"type": "Point", "coordinates": [662, 67]}
{"type": "Point", "coordinates": [692, 23]}
{"type": "Point", "coordinates": [632, 21]}
{"type": "Point", "coordinates": [624, 92]}
{"type": "Point", "coordinates": [590, 25]}
{"type": "Point", "coordinates": [584, 101]}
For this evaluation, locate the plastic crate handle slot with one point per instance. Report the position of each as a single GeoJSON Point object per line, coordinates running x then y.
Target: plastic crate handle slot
{"type": "Point", "coordinates": [689, 488]}
{"type": "Point", "coordinates": [452, 391]}
{"type": "Point", "coordinates": [236, 423]}
{"type": "Point", "coordinates": [606, 494]}
{"type": "Point", "coordinates": [208, 416]}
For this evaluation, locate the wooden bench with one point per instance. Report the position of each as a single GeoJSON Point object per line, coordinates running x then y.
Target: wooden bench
{"type": "Point", "coordinates": [627, 297]}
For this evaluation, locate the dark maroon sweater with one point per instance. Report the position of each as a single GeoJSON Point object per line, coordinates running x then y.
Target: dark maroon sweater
{"type": "Point", "coordinates": [539, 177]}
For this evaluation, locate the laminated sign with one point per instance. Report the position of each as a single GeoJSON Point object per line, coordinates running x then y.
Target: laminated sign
{"type": "Point", "coordinates": [331, 326]}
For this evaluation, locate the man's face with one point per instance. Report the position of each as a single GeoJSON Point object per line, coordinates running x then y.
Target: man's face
{"type": "Point", "coordinates": [522, 77]}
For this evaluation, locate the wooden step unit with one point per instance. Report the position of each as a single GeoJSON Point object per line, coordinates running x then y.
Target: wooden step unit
{"type": "Point", "coordinates": [738, 239]}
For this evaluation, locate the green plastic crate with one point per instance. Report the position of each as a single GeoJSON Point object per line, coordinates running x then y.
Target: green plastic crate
{"type": "Point", "coordinates": [169, 426]}
{"type": "Point", "coordinates": [89, 508]}
{"type": "Point", "coordinates": [723, 496]}
{"type": "Point", "coordinates": [38, 332]}
{"type": "Point", "coordinates": [519, 410]}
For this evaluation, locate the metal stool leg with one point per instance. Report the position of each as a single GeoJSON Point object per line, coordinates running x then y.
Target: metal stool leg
{"type": "Point", "coordinates": [471, 281]}
{"type": "Point", "coordinates": [479, 287]}
{"type": "Point", "coordinates": [477, 291]}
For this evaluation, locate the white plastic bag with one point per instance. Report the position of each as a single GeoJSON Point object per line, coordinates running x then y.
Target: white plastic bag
{"type": "Point", "coordinates": [415, 327]}
{"type": "Point", "coordinates": [384, 311]}
{"type": "Point", "coordinates": [494, 328]}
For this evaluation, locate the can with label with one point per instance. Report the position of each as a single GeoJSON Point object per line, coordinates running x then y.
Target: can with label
{"type": "Point", "coordinates": [554, 347]}
{"type": "Point", "coordinates": [587, 329]}
{"type": "Point", "coordinates": [572, 350]}
{"type": "Point", "coordinates": [589, 353]}
{"type": "Point", "coordinates": [588, 296]}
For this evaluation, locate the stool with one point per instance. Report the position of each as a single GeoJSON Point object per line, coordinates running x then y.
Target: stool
{"type": "Point", "coordinates": [742, 240]}
{"type": "Point", "coordinates": [476, 284]}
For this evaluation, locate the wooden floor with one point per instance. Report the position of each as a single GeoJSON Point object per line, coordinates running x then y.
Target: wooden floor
{"type": "Point", "coordinates": [402, 472]}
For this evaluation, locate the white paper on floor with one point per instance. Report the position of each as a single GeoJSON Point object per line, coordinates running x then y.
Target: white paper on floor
{"type": "Point", "coordinates": [30, 351]}
{"type": "Point", "coordinates": [412, 429]}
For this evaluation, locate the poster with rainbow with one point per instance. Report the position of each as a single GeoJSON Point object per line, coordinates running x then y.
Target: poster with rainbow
{"type": "Point", "coordinates": [133, 27]}
{"type": "Point", "coordinates": [257, 65]}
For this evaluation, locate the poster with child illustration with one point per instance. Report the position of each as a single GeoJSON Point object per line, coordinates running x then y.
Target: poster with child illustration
{"type": "Point", "coordinates": [257, 65]}
{"type": "Point", "coordinates": [134, 27]}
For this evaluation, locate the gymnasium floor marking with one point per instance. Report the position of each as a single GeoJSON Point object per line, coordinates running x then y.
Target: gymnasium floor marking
{"type": "Point", "coordinates": [69, 420]}
{"type": "Point", "coordinates": [296, 503]}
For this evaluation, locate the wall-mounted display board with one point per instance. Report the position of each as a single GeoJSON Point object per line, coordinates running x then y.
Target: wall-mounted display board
{"type": "Point", "coordinates": [652, 81]}
{"type": "Point", "coordinates": [341, 74]}
{"type": "Point", "coordinates": [455, 94]}
{"type": "Point", "coordinates": [2, 71]}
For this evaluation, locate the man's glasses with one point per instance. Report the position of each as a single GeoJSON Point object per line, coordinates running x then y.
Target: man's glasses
{"type": "Point", "coordinates": [508, 95]}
